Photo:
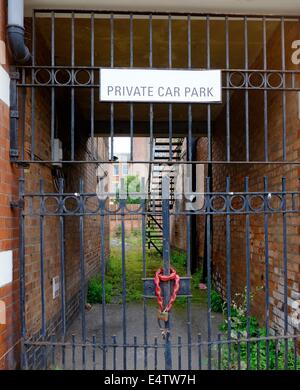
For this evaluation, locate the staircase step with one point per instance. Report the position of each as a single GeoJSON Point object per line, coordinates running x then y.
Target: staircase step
{"type": "Point", "coordinates": [159, 185]}
{"type": "Point", "coordinates": [167, 143]}
{"type": "Point", "coordinates": [159, 178]}
{"type": "Point", "coordinates": [162, 167]}
{"type": "Point", "coordinates": [158, 193]}
{"type": "Point", "coordinates": [168, 158]}
{"type": "Point", "coordinates": [166, 150]}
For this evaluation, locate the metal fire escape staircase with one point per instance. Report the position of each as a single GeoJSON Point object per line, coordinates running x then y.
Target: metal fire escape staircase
{"type": "Point", "coordinates": [162, 154]}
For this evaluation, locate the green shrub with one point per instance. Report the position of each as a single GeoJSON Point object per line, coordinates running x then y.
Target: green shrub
{"type": "Point", "coordinates": [94, 294]}
{"type": "Point", "coordinates": [257, 349]}
{"type": "Point", "coordinates": [196, 279]}
{"type": "Point", "coordinates": [178, 258]}
{"type": "Point", "coordinates": [216, 302]}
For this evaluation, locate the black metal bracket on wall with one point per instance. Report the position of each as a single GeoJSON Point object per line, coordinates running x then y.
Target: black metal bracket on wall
{"type": "Point", "coordinates": [18, 204]}
{"type": "Point", "coordinates": [14, 116]}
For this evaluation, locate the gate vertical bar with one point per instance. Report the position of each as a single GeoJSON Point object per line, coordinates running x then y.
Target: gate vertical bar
{"type": "Point", "coordinates": [267, 298]}
{"type": "Point", "coordinates": [112, 107]}
{"type": "Point", "coordinates": [42, 273]}
{"type": "Point", "coordinates": [72, 89]}
{"type": "Point", "coordinates": [131, 104]}
{"type": "Point", "coordinates": [209, 137]}
{"type": "Point", "coordinates": [285, 271]}
{"type": "Point", "coordinates": [166, 264]}
{"type": "Point", "coordinates": [23, 112]}
{"type": "Point", "coordinates": [208, 261]}
{"type": "Point", "coordinates": [248, 269]}
{"type": "Point", "coordinates": [170, 105]}
{"type": "Point", "coordinates": [246, 59]}
{"type": "Point", "coordinates": [228, 268]}
{"type": "Point", "coordinates": [283, 65]}
{"type": "Point", "coordinates": [62, 258]}
{"type": "Point", "coordinates": [24, 362]}
{"type": "Point", "coordinates": [124, 292]}
{"type": "Point", "coordinates": [189, 241]}
{"type": "Point", "coordinates": [52, 124]}
{"type": "Point", "coordinates": [144, 275]}
{"type": "Point", "coordinates": [92, 96]}
{"type": "Point", "coordinates": [103, 266]}
{"type": "Point", "coordinates": [33, 89]}
{"type": "Point", "coordinates": [227, 90]}
{"type": "Point", "coordinates": [82, 271]}
{"type": "Point", "coordinates": [266, 153]}
{"type": "Point", "coordinates": [151, 104]}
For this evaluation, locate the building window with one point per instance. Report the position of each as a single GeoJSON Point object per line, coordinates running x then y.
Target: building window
{"type": "Point", "coordinates": [125, 169]}
{"type": "Point", "coordinates": [116, 170]}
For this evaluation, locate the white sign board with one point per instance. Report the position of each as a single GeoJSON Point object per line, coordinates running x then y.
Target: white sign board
{"type": "Point", "coordinates": [6, 268]}
{"type": "Point", "coordinates": [160, 85]}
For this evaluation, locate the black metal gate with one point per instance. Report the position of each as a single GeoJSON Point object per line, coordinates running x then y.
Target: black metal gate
{"type": "Point", "coordinates": [245, 216]}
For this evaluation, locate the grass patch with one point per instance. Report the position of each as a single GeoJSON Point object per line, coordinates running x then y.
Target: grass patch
{"type": "Point", "coordinates": [134, 273]}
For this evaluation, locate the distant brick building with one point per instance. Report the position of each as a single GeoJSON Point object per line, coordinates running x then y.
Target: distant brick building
{"type": "Point", "coordinates": [121, 169]}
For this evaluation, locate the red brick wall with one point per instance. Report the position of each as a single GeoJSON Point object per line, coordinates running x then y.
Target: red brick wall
{"type": "Point", "coordinates": [9, 332]}
{"type": "Point", "coordinates": [201, 153]}
{"type": "Point", "coordinates": [131, 221]}
{"type": "Point", "coordinates": [91, 225]}
{"type": "Point", "coordinates": [178, 223]}
{"type": "Point", "coordinates": [52, 241]}
{"type": "Point", "coordinates": [255, 173]}
{"type": "Point", "coordinates": [9, 222]}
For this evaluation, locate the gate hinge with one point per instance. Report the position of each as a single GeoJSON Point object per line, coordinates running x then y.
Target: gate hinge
{"type": "Point", "coordinates": [17, 204]}
{"type": "Point", "coordinates": [22, 164]}
{"type": "Point", "coordinates": [13, 154]}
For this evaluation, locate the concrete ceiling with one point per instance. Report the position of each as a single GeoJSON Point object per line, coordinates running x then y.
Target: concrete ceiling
{"type": "Point", "coordinates": [275, 7]}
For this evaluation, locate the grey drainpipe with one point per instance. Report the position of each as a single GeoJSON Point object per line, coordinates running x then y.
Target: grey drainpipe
{"type": "Point", "coordinates": [15, 32]}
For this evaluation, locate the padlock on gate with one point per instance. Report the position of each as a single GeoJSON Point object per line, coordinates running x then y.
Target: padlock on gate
{"type": "Point", "coordinates": [163, 316]}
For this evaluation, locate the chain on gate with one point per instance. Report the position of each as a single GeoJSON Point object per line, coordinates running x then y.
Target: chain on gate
{"type": "Point", "coordinates": [163, 313]}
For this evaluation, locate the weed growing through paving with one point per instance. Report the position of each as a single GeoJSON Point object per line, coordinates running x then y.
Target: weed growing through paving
{"type": "Point", "coordinates": [253, 354]}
